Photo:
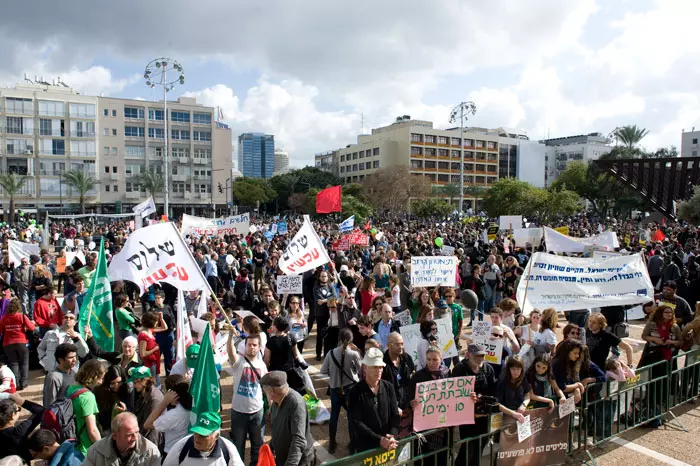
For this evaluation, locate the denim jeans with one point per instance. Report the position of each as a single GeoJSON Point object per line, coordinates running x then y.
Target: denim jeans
{"type": "Point", "coordinates": [30, 306]}
{"type": "Point", "coordinates": [337, 401]}
{"type": "Point", "coordinates": [165, 341]}
{"type": "Point", "coordinates": [247, 425]}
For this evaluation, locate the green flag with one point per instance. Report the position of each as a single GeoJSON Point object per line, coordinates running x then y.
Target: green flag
{"type": "Point", "coordinates": [204, 388]}
{"type": "Point", "coordinates": [96, 310]}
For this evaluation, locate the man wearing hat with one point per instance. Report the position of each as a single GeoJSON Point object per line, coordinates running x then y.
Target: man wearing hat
{"type": "Point", "coordinates": [205, 447]}
{"type": "Point", "coordinates": [291, 441]}
{"type": "Point", "coordinates": [186, 365]}
{"type": "Point", "coordinates": [373, 410]}
{"type": "Point", "coordinates": [484, 384]}
{"type": "Point", "coordinates": [125, 446]}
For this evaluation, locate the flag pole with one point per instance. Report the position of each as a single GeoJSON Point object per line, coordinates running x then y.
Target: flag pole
{"type": "Point", "coordinates": [211, 292]}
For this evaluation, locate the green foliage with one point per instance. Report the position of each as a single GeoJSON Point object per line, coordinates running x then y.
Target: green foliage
{"type": "Point", "coordinates": [514, 197]}
{"type": "Point", "coordinates": [690, 210]}
{"type": "Point", "coordinates": [449, 191]}
{"type": "Point", "coordinates": [630, 135]}
{"type": "Point", "coordinates": [299, 180]}
{"type": "Point", "coordinates": [354, 206]}
{"type": "Point", "coordinates": [11, 185]}
{"type": "Point", "coordinates": [431, 207]}
{"type": "Point", "coordinates": [354, 190]}
{"type": "Point", "coordinates": [151, 181]}
{"type": "Point", "coordinates": [82, 182]}
{"type": "Point", "coordinates": [250, 191]}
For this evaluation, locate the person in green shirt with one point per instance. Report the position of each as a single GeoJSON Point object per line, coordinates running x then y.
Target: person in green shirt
{"type": "Point", "coordinates": [450, 296]}
{"type": "Point", "coordinates": [125, 318]}
{"type": "Point", "coordinates": [88, 271]}
{"type": "Point", "coordinates": [85, 408]}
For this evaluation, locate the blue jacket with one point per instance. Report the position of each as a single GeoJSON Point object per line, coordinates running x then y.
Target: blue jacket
{"type": "Point", "coordinates": [67, 455]}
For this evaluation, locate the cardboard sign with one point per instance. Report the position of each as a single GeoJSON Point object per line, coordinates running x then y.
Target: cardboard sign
{"type": "Point", "coordinates": [411, 336]}
{"type": "Point", "coordinates": [289, 284]}
{"type": "Point", "coordinates": [494, 350]}
{"type": "Point", "coordinates": [358, 239]}
{"type": "Point", "coordinates": [481, 330]}
{"type": "Point", "coordinates": [447, 250]}
{"type": "Point", "coordinates": [524, 430]}
{"type": "Point", "coordinates": [567, 408]}
{"type": "Point", "coordinates": [546, 445]}
{"type": "Point", "coordinates": [444, 403]}
{"type": "Point", "coordinates": [60, 265]}
{"type": "Point", "coordinates": [404, 318]}
{"type": "Point", "coordinates": [510, 222]}
{"type": "Point", "coordinates": [429, 271]}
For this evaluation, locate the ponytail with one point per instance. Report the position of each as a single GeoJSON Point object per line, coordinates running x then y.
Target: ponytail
{"type": "Point", "coordinates": [345, 338]}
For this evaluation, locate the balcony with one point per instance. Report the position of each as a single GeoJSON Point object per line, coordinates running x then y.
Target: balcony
{"type": "Point", "coordinates": [28, 150]}
{"type": "Point", "coordinates": [134, 195]}
{"type": "Point", "coordinates": [188, 195]}
{"type": "Point", "coordinates": [184, 160]}
{"type": "Point", "coordinates": [179, 177]}
{"type": "Point", "coordinates": [82, 134]}
{"type": "Point", "coordinates": [114, 176]}
{"type": "Point", "coordinates": [83, 154]}
{"type": "Point", "coordinates": [202, 178]}
{"type": "Point", "coordinates": [52, 133]}
{"type": "Point", "coordinates": [202, 161]}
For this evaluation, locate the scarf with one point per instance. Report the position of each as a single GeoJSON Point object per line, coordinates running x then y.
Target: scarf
{"type": "Point", "coordinates": [664, 334]}
{"type": "Point", "coordinates": [544, 380]}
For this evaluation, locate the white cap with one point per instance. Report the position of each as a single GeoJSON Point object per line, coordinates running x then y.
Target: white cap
{"type": "Point", "coordinates": [344, 268]}
{"type": "Point", "coordinates": [374, 358]}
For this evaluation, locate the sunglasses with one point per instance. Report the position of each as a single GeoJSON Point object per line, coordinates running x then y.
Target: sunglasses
{"type": "Point", "coordinates": [495, 335]}
{"type": "Point", "coordinates": [574, 333]}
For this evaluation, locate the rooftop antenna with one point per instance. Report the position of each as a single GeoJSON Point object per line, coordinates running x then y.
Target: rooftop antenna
{"type": "Point", "coordinates": [26, 78]}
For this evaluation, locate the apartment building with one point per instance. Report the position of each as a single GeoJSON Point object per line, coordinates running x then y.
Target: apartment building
{"type": "Point", "coordinates": [436, 154]}
{"type": "Point", "coordinates": [47, 129]}
{"type": "Point", "coordinates": [689, 143]}
{"type": "Point", "coordinates": [327, 161]}
{"type": "Point", "coordinates": [564, 150]}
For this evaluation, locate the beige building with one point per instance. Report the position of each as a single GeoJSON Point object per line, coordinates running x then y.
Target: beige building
{"type": "Point", "coordinates": [47, 129]}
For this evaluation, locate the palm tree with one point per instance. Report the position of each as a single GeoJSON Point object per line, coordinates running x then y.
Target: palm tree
{"type": "Point", "coordinates": [12, 183]}
{"type": "Point", "coordinates": [151, 181]}
{"type": "Point", "coordinates": [629, 135]}
{"type": "Point", "coordinates": [82, 182]}
{"type": "Point", "coordinates": [450, 191]}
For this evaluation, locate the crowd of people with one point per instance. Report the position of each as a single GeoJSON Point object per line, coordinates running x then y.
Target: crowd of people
{"type": "Point", "coordinates": [133, 405]}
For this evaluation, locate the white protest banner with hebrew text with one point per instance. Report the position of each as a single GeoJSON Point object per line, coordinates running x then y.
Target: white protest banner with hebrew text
{"type": "Point", "coordinates": [17, 250]}
{"type": "Point", "coordinates": [157, 254]}
{"type": "Point", "coordinates": [494, 350]}
{"type": "Point", "coordinates": [568, 283]}
{"type": "Point", "coordinates": [234, 225]}
{"type": "Point", "coordinates": [145, 208]}
{"type": "Point", "coordinates": [305, 251]}
{"type": "Point", "coordinates": [433, 271]}
{"type": "Point", "coordinates": [556, 242]}
{"type": "Point", "coordinates": [289, 284]}
{"type": "Point", "coordinates": [523, 236]}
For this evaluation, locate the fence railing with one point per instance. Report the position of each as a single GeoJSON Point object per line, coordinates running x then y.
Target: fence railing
{"type": "Point", "coordinates": [606, 411]}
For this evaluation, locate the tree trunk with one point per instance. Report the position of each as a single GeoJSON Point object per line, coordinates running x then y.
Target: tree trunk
{"type": "Point", "coordinates": [11, 211]}
{"type": "Point", "coordinates": [82, 203]}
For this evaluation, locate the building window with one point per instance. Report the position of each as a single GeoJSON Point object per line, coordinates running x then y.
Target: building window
{"type": "Point", "coordinates": [201, 118]}
{"type": "Point", "coordinates": [52, 108]}
{"type": "Point", "coordinates": [442, 140]}
{"type": "Point", "coordinates": [201, 135]}
{"type": "Point", "coordinates": [82, 148]}
{"type": "Point", "coordinates": [429, 139]}
{"type": "Point", "coordinates": [455, 141]}
{"type": "Point", "coordinates": [115, 188]}
{"type": "Point", "coordinates": [429, 152]}
{"type": "Point", "coordinates": [342, 157]}
{"type": "Point", "coordinates": [115, 169]}
{"type": "Point", "coordinates": [156, 133]}
{"type": "Point", "coordinates": [114, 131]}
{"type": "Point", "coordinates": [415, 150]}
{"type": "Point", "coordinates": [354, 155]}
{"type": "Point", "coordinates": [19, 125]}
{"type": "Point", "coordinates": [134, 131]}
{"type": "Point", "coordinates": [342, 169]}
{"type": "Point", "coordinates": [443, 152]}
{"type": "Point", "coordinates": [82, 129]}
{"type": "Point", "coordinates": [133, 112]}
{"type": "Point", "coordinates": [362, 154]}
{"type": "Point", "coordinates": [181, 117]}
{"type": "Point", "coordinates": [695, 153]}
{"type": "Point", "coordinates": [21, 106]}
{"type": "Point", "coordinates": [491, 145]}
{"type": "Point", "coordinates": [416, 137]}
{"type": "Point", "coordinates": [479, 143]}
{"type": "Point", "coordinates": [106, 151]}
{"type": "Point", "coordinates": [695, 140]}
{"type": "Point", "coordinates": [354, 167]}
{"type": "Point", "coordinates": [375, 164]}
{"type": "Point", "coordinates": [105, 132]}
{"type": "Point", "coordinates": [114, 113]}
{"type": "Point", "coordinates": [468, 143]}
{"type": "Point", "coordinates": [155, 114]}
{"type": "Point", "coordinates": [375, 151]}
{"type": "Point", "coordinates": [106, 188]}
{"type": "Point", "coordinates": [114, 151]}
{"type": "Point", "coordinates": [135, 151]}
{"type": "Point", "coordinates": [106, 169]}
{"type": "Point", "coordinates": [368, 165]}
{"type": "Point", "coordinates": [181, 134]}
{"type": "Point", "coordinates": [106, 112]}
{"type": "Point", "coordinates": [82, 110]}
{"type": "Point", "coordinates": [58, 147]}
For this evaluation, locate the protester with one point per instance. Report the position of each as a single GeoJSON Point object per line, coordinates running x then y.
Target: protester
{"type": "Point", "coordinates": [8, 382]}
{"type": "Point", "coordinates": [599, 341]}
{"type": "Point", "coordinates": [669, 298]}
{"type": "Point", "coordinates": [13, 432]}
{"type": "Point", "coordinates": [85, 408]}
{"type": "Point", "coordinates": [146, 398]}
{"type": "Point", "coordinates": [171, 417]}
{"type": "Point", "coordinates": [398, 371]}
{"type": "Point", "coordinates": [149, 349]}
{"type": "Point", "coordinates": [124, 361]}
{"type": "Point", "coordinates": [164, 334]}
{"type": "Point", "coordinates": [43, 445]}
{"type": "Point", "coordinates": [185, 366]}
{"type": "Point", "coordinates": [14, 327]}
{"type": "Point", "coordinates": [47, 310]}
{"type": "Point", "coordinates": [281, 354]}
{"type": "Point", "coordinates": [386, 324]}
{"type": "Point", "coordinates": [62, 376]}
{"type": "Point", "coordinates": [205, 447]}
{"type": "Point", "coordinates": [540, 378]}
{"type": "Point", "coordinates": [125, 446]}
{"type": "Point", "coordinates": [53, 338]}
{"type": "Point", "coordinates": [323, 291]}
{"type": "Point", "coordinates": [113, 396]}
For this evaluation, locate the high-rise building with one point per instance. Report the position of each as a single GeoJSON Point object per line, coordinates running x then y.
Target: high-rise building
{"type": "Point", "coordinates": [46, 130]}
{"type": "Point", "coordinates": [281, 161]}
{"type": "Point", "coordinates": [256, 155]}
{"type": "Point", "coordinates": [436, 154]}
{"type": "Point", "coordinates": [582, 148]}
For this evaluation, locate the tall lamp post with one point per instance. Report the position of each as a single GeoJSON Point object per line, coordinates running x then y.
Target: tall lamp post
{"type": "Point", "coordinates": [461, 112]}
{"type": "Point", "coordinates": [156, 74]}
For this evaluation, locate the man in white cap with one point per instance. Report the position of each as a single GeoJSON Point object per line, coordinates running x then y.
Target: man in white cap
{"type": "Point", "coordinates": [373, 410]}
{"type": "Point", "coordinates": [205, 447]}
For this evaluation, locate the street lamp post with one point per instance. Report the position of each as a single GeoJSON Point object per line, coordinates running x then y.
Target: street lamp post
{"type": "Point", "coordinates": [462, 111]}
{"type": "Point", "coordinates": [156, 74]}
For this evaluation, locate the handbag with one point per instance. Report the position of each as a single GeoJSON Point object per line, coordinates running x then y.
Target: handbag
{"type": "Point", "coordinates": [621, 330]}
{"type": "Point", "coordinates": [343, 373]}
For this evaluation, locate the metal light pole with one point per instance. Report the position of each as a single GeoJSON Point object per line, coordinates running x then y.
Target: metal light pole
{"type": "Point", "coordinates": [462, 111]}
{"type": "Point", "coordinates": [156, 74]}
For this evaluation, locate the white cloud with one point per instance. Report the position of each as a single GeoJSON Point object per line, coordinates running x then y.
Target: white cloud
{"type": "Point", "coordinates": [95, 80]}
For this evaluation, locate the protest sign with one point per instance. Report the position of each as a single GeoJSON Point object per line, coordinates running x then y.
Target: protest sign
{"type": "Point", "coordinates": [510, 222]}
{"type": "Point", "coordinates": [568, 283]}
{"type": "Point", "coordinates": [494, 350]}
{"type": "Point", "coordinates": [444, 403]}
{"type": "Point", "coordinates": [481, 330]}
{"type": "Point", "coordinates": [524, 236]}
{"type": "Point", "coordinates": [145, 208]}
{"type": "Point", "coordinates": [343, 244]}
{"type": "Point", "coordinates": [304, 252]}
{"type": "Point", "coordinates": [411, 336]}
{"type": "Point", "coordinates": [394, 457]}
{"type": "Point", "coordinates": [404, 318]}
{"type": "Point", "coordinates": [234, 225]}
{"type": "Point", "coordinates": [557, 242]}
{"type": "Point", "coordinates": [358, 239]}
{"type": "Point", "coordinates": [597, 254]}
{"type": "Point", "coordinates": [17, 250]}
{"type": "Point", "coordinates": [568, 407]}
{"type": "Point", "coordinates": [273, 229]}
{"type": "Point", "coordinates": [524, 430]}
{"type": "Point", "coordinates": [282, 228]}
{"type": "Point", "coordinates": [433, 271]}
{"type": "Point", "coordinates": [491, 233]}
{"type": "Point", "coordinates": [289, 284]}
{"type": "Point", "coordinates": [183, 339]}
{"type": "Point", "coordinates": [545, 447]}
{"type": "Point", "coordinates": [157, 254]}
{"type": "Point", "coordinates": [60, 265]}
{"type": "Point", "coordinates": [447, 250]}
{"type": "Point", "coordinates": [244, 314]}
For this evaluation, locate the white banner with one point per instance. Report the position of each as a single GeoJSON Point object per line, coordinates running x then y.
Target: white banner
{"type": "Point", "coordinates": [145, 208]}
{"type": "Point", "coordinates": [411, 336]}
{"type": "Point", "coordinates": [288, 284]}
{"type": "Point", "coordinates": [510, 222]}
{"type": "Point", "coordinates": [568, 283]}
{"type": "Point", "coordinates": [433, 271]}
{"type": "Point", "coordinates": [447, 250]}
{"type": "Point", "coordinates": [523, 236]}
{"type": "Point", "coordinates": [17, 250]}
{"type": "Point", "coordinates": [305, 252]}
{"type": "Point", "coordinates": [602, 255]}
{"type": "Point", "coordinates": [183, 331]}
{"type": "Point", "coordinates": [235, 225]}
{"type": "Point", "coordinates": [556, 242]}
{"type": "Point", "coordinates": [157, 254]}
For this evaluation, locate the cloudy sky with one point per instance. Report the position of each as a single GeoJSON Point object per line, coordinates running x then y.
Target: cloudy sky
{"type": "Point", "coordinates": [307, 70]}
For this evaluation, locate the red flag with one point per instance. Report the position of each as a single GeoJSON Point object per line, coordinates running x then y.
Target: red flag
{"type": "Point", "coordinates": [663, 222]}
{"type": "Point", "coordinates": [329, 200]}
{"type": "Point", "coordinates": [658, 236]}
{"type": "Point", "coordinates": [368, 225]}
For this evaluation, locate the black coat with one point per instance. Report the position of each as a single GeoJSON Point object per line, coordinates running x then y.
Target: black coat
{"type": "Point", "coordinates": [372, 416]}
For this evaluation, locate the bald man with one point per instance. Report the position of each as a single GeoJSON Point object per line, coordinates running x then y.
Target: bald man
{"type": "Point", "coordinates": [125, 444]}
{"type": "Point", "coordinates": [399, 369]}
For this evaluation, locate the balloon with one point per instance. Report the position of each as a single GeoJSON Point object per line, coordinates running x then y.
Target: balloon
{"type": "Point", "coordinates": [438, 242]}
{"type": "Point", "coordinates": [91, 245]}
{"type": "Point", "coordinates": [229, 259]}
{"type": "Point", "coordinates": [469, 299]}
{"type": "Point", "coordinates": [80, 242]}
{"type": "Point", "coordinates": [373, 231]}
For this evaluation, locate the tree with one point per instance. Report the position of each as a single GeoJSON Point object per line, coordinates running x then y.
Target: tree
{"type": "Point", "coordinates": [12, 184]}
{"type": "Point", "coordinates": [630, 135]}
{"type": "Point", "coordinates": [82, 182]}
{"type": "Point", "coordinates": [689, 210]}
{"type": "Point", "coordinates": [152, 182]}
{"type": "Point", "coordinates": [354, 206]}
{"type": "Point", "coordinates": [450, 191]}
{"type": "Point", "coordinates": [299, 180]}
{"type": "Point", "coordinates": [431, 207]}
{"type": "Point", "coordinates": [513, 197]}
{"type": "Point", "coordinates": [355, 190]}
{"type": "Point", "coordinates": [391, 188]}
{"type": "Point", "coordinates": [300, 203]}
{"type": "Point", "coordinates": [250, 191]}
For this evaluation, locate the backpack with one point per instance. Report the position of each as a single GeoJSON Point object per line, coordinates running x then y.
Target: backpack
{"type": "Point", "coordinates": [242, 292]}
{"type": "Point", "coordinates": [59, 418]}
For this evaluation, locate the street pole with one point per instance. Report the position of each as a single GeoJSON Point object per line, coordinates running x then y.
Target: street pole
{"type": "Point", "coordinates": [462, 111]}
{"type": "Point", "coordinates": [166, 159]}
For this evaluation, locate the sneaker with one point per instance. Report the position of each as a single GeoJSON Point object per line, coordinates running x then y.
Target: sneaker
{"type": "Point", "coordinates": [332, 446]}
{"type": "Point", "coordinates": [319, 358]}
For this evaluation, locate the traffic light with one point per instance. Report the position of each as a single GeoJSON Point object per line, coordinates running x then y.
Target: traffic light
{"type": "Point", "coordinates": [220, 188]}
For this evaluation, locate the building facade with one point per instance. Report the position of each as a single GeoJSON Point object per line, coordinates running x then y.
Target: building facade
{"type": "Point", "coordinates": [689, 143]}
{"type": "Point", "coordinates": [281, 161]}
{"type": "Point", "coordinates": [46, 130]}
{"type": "Point", "coordinates": [327, 161]}
{"type": "Point", "coordinates": [489, 154]}
{"type": "Point", "coordinates": [256, 155]}
{"type": "Point", "coordinates": [562, 151]}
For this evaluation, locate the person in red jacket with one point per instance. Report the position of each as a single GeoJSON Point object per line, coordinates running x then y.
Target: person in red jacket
{"type": "Point", "coordinates": [47, 312]}
{"type": "Point", "coordinates": [14, 326]}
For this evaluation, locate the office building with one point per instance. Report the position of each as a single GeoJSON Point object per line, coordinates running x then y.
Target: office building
{"type": "Point", "coordinates": [689, 143]}
{"type": "Point", "coordinates": [562, 151]}
{"type": "Point", "coordinates": [48, 129]}
{"type": "Point", "coordinates": [435, 154]}
{"type": "Point", "coordinates": [327, 161]}
{"type": "Point", "coordinates": [281, 162]}
{"type": "Point", "coordinates": [256, 155]}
